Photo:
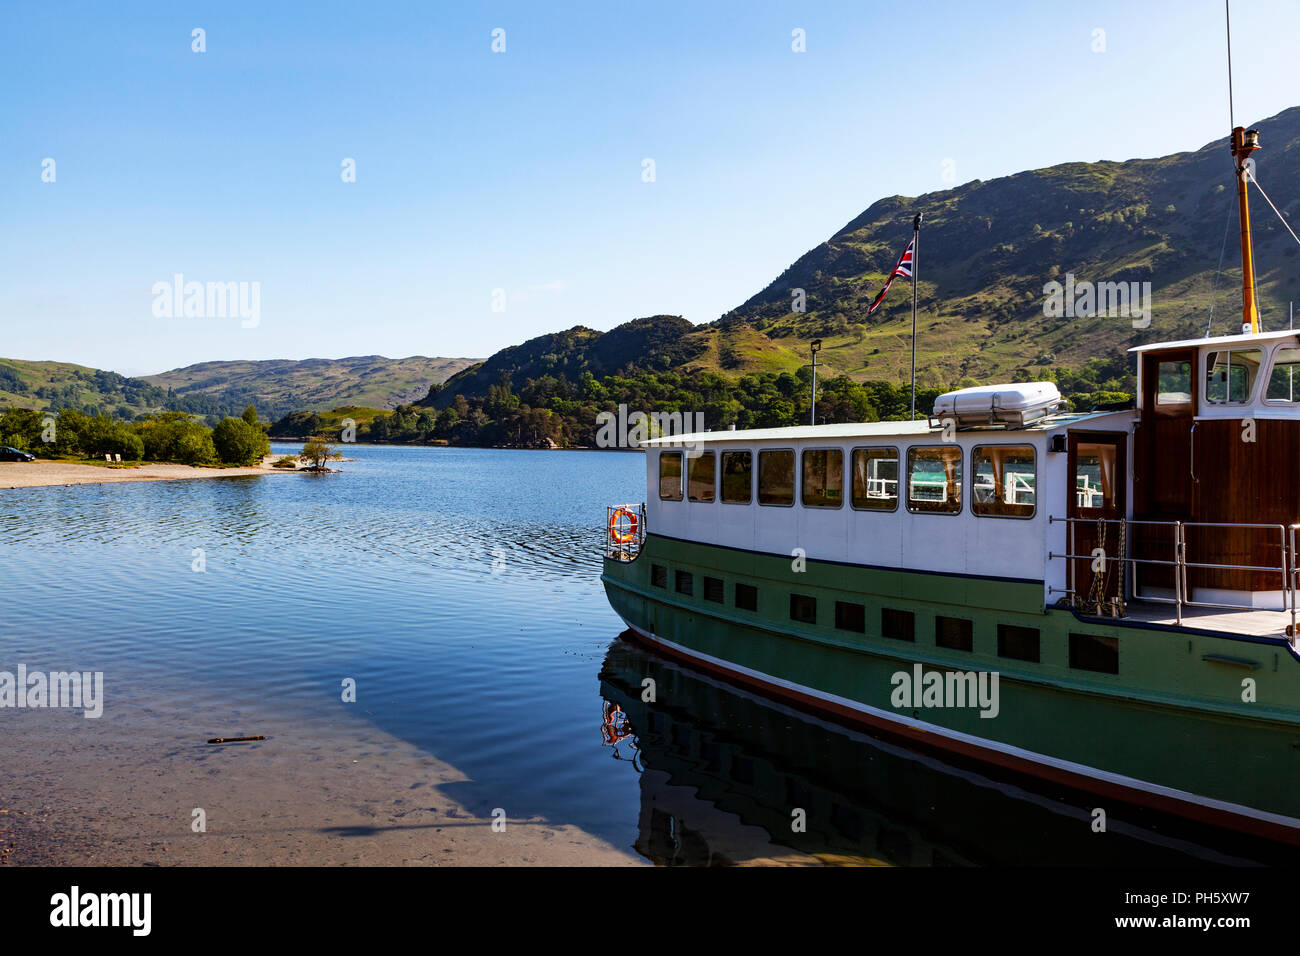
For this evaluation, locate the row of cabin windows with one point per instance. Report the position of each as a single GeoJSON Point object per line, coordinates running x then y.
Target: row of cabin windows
{"type": "Point", "coordinates": [1003, 482]}
{"type": "Point", "coordinates": [1088, 652]}
{"type": "Point", "coordinates": [1230, 376]}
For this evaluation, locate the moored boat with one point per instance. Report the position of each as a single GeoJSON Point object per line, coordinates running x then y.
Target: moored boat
{"type": "Point", "coordinates": [1105, 599]}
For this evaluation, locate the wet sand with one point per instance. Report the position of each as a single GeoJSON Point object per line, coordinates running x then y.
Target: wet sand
{"type": "Point", "coordinates": [43, 474]}
{"type": "Point", "coordinates": [121, 790]}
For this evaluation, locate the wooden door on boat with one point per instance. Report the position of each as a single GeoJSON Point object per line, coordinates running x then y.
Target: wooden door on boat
{"type": "Point", "coordinates": [1163, 482]}
{"type": "Point", "coordinates": [1098, 473]}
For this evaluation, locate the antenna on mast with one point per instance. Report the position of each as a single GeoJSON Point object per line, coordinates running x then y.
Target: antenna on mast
{"type": "Point", "coordinates": [1243, 142]}
{"type": "Point", "coordinates": [1227, 16]}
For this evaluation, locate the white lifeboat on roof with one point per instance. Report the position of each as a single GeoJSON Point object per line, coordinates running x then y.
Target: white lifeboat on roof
{"type": "Point", "coordinates": [1015, 405]}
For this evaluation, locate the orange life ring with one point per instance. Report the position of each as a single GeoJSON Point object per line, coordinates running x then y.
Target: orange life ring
{"type": "Point", "coordinates": [632, 526]}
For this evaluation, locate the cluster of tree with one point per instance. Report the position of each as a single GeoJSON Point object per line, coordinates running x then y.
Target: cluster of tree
{"type": "Point", "coordinates": [168, 436]}
{"type": "Point", "coordinates": [554, 410]}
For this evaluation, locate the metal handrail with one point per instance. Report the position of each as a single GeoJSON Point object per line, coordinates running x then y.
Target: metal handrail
{"type": "Point", "coordinates": [1289, 568]}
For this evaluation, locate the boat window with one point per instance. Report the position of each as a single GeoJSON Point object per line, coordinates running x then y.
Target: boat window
{"type": "Point", "coordinates": [1230, 375]}
{"type": "Point", "coordinates": [670, 475]}
{"type": "Point", "coordinates": [700, 474]}
{"type": "Point", "coordinates": [746, 597]}
{"type": "Point", "coordinates": [875, 479]}
{"type": "Point", "coordinates": [850, 617]}
{"type": "Point", "coordinates": [737, 476]}
{"type": "Point", "coordinates": [803, 608]}
{"type": "Point", "coordinates": [1173, 383]}
{"type": "Point", "coordinates": [1018, 643]}
{"type": "Point", "coordinates": [900, 625]}
{"type": "Point", "coordinates": [659, 575]}
{"type": "Point", "coordinates": [776, 477]}
{"type": "Point", "coordinates": [1092, 652]}
{"type": "Point", "coordinates": [823, 478]}
{"type": "Point", "coordinates": [684, 582]}
{"type": "Point", "coordinates": [1284, 380]}
{"type": "Point", "coordinates": [954, 633]}
{"type": "Point", "coordinates": [934, 479]}
{"type": "Point", "coordinates": [713, 589]}
{"type": "Point", "coordinates": [1094, 475]}
{"type": "Point", "coordinates": [1003, 481]}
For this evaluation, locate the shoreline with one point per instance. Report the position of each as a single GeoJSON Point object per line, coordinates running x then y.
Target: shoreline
{"type": "Point", "coordinates": [50, 474]}
{"type": "Point", "coordinates": [320, 790]}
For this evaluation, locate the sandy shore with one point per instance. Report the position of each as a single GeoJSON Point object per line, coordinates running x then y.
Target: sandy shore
{"type": "Point", "coordinates": [122, 791]}
{"type": "Point", "coordinates": [43, 474]}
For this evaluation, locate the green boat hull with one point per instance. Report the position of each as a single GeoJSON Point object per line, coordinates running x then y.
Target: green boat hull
{"type": "Point", "coordinates": [1176, 729]}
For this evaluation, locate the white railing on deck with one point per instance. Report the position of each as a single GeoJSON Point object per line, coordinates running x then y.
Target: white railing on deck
{"type": "Point", "coordinates": [1287, 569]}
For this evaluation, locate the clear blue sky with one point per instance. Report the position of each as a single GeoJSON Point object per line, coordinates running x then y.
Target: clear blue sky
{"type": "Point", "coordinates": [523, 170]}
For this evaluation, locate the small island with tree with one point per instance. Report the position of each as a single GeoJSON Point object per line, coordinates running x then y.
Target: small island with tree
{"type": "Point", "coordinates": [315, 453]}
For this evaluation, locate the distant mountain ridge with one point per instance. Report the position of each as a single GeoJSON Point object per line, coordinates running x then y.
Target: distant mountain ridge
{"type": "Point", "coordinates": [280, 386]}
{"type": "Point", "coordinates": [276, 387]}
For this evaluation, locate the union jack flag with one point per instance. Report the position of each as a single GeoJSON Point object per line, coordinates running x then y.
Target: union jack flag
{"type": "Point", "coordinates": [903, 268]}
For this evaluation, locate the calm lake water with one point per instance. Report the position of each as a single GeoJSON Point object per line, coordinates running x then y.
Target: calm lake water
{"type": "Point", "coordinates": [460, 588]}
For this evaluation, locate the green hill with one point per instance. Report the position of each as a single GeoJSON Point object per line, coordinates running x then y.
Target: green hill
{"type": "Point", "coordinates": [58, 385]}
{"type": "Point", "coordinates": [987, 250]}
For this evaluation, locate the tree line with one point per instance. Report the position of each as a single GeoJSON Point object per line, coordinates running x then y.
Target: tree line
{"type": "Point", "coordinates": [553, 410]}
{"type": "Point", "coordinates": [166, 437]}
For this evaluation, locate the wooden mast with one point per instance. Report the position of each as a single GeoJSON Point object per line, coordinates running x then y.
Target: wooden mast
{"type": "Point", "coordinates": [1245, 142]}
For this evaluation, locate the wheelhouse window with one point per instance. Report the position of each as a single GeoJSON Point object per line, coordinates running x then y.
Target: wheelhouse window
{"type": "Point", "coordinates": [823, 478]}
{"type": "Point", "coordinates": [1230, 375]}
{"type": "Point", "coordinates": [875, 479]}
{"type": "Point", "coordinates": [1284, 380]}
{"type": "Point", "coordinates": [700, 476]}
{"type": "Point", "coordinates": [737, 477]}
{"type": "Point", "coordinates": [1094, 475]}
{"type": "Point", "coordinates": [776, 477]}
{"type": "Point", "coordinates": [934, 479]}
{"type": "Point", "coordinates": [1003, 481]}
{"type": "Point", "coordinates": [670, 475]}
{"type": "Point", "coordinates": [1173, 383]}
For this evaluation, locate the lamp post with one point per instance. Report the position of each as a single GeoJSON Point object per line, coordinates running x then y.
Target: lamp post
{"type": "Point", "coordinates": [815, 345]}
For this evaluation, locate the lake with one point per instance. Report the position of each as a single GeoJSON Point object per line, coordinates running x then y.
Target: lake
{"type": "Point", "coordinates": [459, 589]}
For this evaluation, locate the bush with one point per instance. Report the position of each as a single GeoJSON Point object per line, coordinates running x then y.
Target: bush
{"type": "Point", "coordinates": [239, 443]}
{"type": "Point", "coordinates": [21, 428]}
{"type": "Point", "coordinates": [102, 435]}
{"type": "Point", "coordinates": [174, 436]}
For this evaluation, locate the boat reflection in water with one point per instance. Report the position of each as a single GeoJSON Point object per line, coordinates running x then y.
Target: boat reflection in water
{"type": "Point", "coordinates": [724, 772]}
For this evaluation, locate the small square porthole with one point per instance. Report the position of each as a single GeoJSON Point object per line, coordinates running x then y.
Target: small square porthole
{"type": "Point", "coordinates": [954, 633]}
{"type": "Point", "coordinates": [713, 589]}
{"type": "Point", "coordinates": [685, 582]}
{"type": "Point", "coordinates": [1092, 652]}
{"type": "Point", "coordinates": [1018, 643]}
{"type": "Point", "coordinates": [659, 575]}
{"type": "Point", "coordinates": [746, 597]}
{"type": "Point", "coordinates": [900, 625]}
{"type": "Point", "coordinates": [803, 608]}
{"type": "Point", "coordinates": [850, 616]}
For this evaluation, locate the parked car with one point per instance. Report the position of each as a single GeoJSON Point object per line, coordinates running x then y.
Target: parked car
{"type": "Point", "coordinates": [13, 454]}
